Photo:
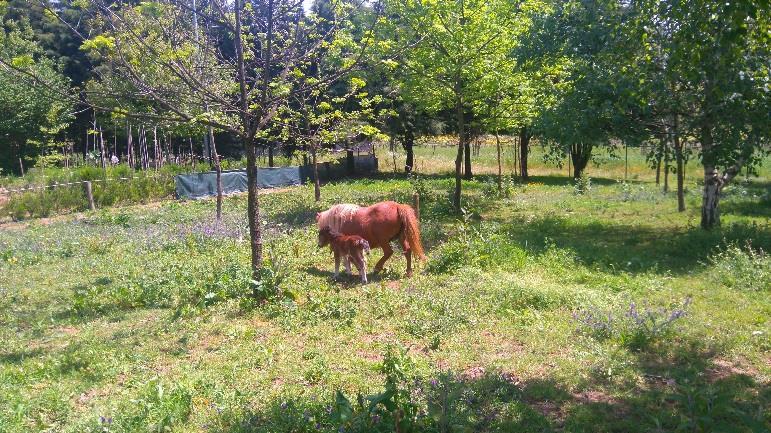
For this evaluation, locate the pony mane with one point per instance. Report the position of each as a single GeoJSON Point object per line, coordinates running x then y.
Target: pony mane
{"type": "Point", "coordinates": [336, 216]}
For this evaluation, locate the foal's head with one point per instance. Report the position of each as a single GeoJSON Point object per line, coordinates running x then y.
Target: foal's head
{"type": "Point", "coordinates": [325, 237]}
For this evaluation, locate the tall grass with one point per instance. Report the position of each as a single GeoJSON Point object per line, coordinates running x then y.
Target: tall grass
{"type": "Point", "coordinates": [43, 193]}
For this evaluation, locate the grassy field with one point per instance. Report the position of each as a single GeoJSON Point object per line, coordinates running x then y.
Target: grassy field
{"type": "Point", "coordinates": [543, 310]}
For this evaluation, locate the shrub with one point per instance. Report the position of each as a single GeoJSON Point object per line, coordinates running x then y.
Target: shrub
{"type": "Point", "coordinates": [583, 184]}
{"type": "Point", "coordinates": [482, 246]}
{"type": "Point", "coordinates": [508, 187]}
{"type": "Point", "coordinates": [741, 268]}
{"type": "Point", "coordinates": [420, 186]}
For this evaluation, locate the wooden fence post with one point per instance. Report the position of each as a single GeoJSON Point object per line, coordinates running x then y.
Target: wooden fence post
{"type": "Point", "coordinates": [416, 204]}
{"type": "Point", "coordinates": [90, 195]}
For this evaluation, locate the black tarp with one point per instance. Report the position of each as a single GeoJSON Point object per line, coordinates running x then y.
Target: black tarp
{"type": "Point", "coordinates": [199, 185]}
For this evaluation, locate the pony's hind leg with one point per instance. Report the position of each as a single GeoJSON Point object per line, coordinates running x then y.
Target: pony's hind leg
{"type": "Point", "coordinates": [407, 255]}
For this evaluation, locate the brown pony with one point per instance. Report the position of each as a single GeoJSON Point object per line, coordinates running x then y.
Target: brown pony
{"type": "Point", "coordinates": [378, 224]}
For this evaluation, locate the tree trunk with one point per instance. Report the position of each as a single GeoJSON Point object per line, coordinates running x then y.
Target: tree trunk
{"type": "Point", "coordinates": [270, 156]}
{"type": "Point", "coordinates": [218, 170]}
{"type": "Point", "coordinates": [524, 148]}
{"type": "Point", "coordinates": [350, 163]}
{"type": "Point", "coordinates": [713, 183]}
{"type": "Point", "coordinates": [459, 157]}
{"type": "Point", "coordinates": [130, 147]}
{"type": "Point", "coordinates": [500, 168]}
{"type": "Point", "coordinates": [666, 165]}
{"type": "Point", "coordinates": [316, 181]}
{"type": "Point", "coordinates": [192, 155]}
{"type": "Point", "coordinates": [658, 170]}
{"type": "Point", "coordinates": [467, 156]}
{"type": "Point", "coordinates": [580, 155]}
{"type": "Point", "coordinates": [680, 166]}
{"type": "Point", "coordinates": [102, 149]}
{"type": "Point", "coordinates": [205, 152]}
{"type": "Point", "coordinates": [255, 233]}
{"type": "Point", "coordinates": [515, 156]}
{"type": "Point", "coordinates": [409, 143]}
{"type": "Point", "coordinates": [156, 152]}
{"type": "Point", "coordinates": [710, 213]}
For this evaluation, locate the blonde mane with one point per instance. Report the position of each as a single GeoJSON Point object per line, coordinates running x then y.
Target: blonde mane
{"type": "Point", "coordinates": [336, 216]}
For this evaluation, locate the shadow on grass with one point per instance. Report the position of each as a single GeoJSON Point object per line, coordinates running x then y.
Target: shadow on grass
{"type": "Point", "coordinates": [550, 180]}
{"type": "Point", "coordinates": [749, 199]}
{"type": "Point", "coordinates": [629, 248]}
{"type": "Point", "coordinates": [20, 356]}
{"type": "Point", "coordinates": [352, 280]}
{"type": "Point", "coordinates": [748, 208]}
{"type": "Point", "coordinates": [686, 390]}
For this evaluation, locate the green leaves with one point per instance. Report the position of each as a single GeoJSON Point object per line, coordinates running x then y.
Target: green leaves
{"type": "Point", "coordinates": [343, 411]}
{"type": "Point", "coordinates": [32, 116]}
{"type": "Point", "coordinates": [99, 43]}
{"type": "Point", "coordinates": [22, 62]}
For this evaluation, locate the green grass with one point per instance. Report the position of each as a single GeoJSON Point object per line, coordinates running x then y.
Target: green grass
{"type": "Point", "coordinates": [140, 315]}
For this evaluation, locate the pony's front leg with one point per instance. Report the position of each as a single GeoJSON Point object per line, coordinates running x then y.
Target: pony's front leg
{"type": "Point", "coordinates": [387, 253]}
{"type": "Point", "coordinates": [348, 265]}
{"type": "Point", "coordinates": [361, 264]}
{"type": "Point", "coordinates": [363, 269]}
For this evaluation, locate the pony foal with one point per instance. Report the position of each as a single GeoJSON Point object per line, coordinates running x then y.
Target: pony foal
{"type": "Point", "coordinates": [349, 248]}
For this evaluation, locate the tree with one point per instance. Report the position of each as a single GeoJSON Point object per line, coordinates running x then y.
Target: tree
{"type": "Point", "coordinates": [598, 96]}
{"type": "Point", "coordinates": [325, 119]}
{"type": "Point", "coordinates": [150, 48]}
{"type": "Point", "coordinates": [33, 118]}
{"type": "Point", "coordinates": [712, 76]}
{"type": "Point", "coordinates": [452, 48]}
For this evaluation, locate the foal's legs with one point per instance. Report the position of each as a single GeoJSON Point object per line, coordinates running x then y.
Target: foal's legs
{"type": "Point", "coordinates": [361, 264]}
{"type": "Point", "coordinates": [337, 264]}
{"type": "Point", "coordinates": [348, 265]}
{"type": "Point", "coordinates": [387, 253]}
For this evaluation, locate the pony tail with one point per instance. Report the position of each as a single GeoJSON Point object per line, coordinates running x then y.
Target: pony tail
{"type": "Point", "coordinates": [411, 229]}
